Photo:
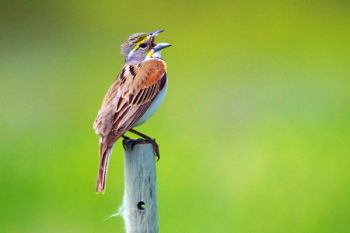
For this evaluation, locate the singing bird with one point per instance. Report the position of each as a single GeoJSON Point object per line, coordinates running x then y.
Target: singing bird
{"type": "Point", "coordinates": [133, 97]}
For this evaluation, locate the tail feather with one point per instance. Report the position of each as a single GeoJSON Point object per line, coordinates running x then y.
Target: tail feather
{"type": "Point", "coordinates": [105, 152]}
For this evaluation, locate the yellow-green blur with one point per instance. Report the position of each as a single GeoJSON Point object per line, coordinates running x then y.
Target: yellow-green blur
{"type": "Point", "coordinates": [254, 132]}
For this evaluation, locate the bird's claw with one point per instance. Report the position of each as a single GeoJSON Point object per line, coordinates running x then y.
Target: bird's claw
{"type": "Point", "coordinates": [130, 143]}
{"type": "Point", "coordinates": [155, 148]}
{"type": "Point", "coordinates": [154, 145]}
{"type": "Point", "coordinates": [126, 142]}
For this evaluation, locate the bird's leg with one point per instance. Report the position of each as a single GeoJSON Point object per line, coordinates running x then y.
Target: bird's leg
{"type": "Point", "coordinates": [125, 137]}
{"type": "Point", "coordinates": [148, 139]}
{"type": "Point", "coordinates": [130, 143]}
{"type": "Point", "coordinates": [144, 136]}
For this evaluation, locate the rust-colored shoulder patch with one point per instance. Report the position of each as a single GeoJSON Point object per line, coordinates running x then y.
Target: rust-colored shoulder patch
{"type": "Point", "coordinates": [151, 72]}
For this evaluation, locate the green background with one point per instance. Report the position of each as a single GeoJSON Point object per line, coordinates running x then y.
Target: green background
{"type": "Point", "coordinates": [254, 131]}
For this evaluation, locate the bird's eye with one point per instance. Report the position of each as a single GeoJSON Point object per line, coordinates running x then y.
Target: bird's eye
{"type": "Point", "coordinates": [143, 45]}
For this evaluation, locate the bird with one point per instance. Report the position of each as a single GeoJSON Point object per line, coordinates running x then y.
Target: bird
{"type": "Point", "coordinates": [133, 97]}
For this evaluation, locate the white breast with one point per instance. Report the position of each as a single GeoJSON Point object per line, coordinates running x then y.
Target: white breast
{"type": "Point", "coordinates": [154, 105]}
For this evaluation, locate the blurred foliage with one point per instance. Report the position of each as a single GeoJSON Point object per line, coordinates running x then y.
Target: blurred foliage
{"type": "Point", "coordinates": [254, 132]}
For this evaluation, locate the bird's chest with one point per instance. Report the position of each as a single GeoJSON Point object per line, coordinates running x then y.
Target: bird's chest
{"type": "Point", "coordinates": [154, 105]}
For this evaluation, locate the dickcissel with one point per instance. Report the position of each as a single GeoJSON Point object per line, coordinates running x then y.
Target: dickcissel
{"type": "Point", "coordinates": [133, 97]}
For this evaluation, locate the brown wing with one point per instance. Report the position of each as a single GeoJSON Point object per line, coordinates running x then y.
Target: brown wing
{"type": "Point", "coordinates": [129, 98]}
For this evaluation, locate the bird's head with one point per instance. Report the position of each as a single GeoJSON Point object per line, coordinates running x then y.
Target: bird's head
{"type": "Point", "coordinates": [141, 46]}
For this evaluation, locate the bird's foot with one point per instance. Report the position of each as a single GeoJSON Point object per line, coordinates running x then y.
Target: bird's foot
{"type": "Point", "coordinates": [126, 142]}
{"type": "Point", "coordinates": [155, 147]}
{"type": "Point", "coordinates": [130, 143]}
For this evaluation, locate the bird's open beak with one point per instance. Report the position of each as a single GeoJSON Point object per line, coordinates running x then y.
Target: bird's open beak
{"type": "Point", "coordinates": [155, 33]}
{"type": "Point", "coordinates": [161, 46]}
{"type": "Point", "coordinates": [158, 47]}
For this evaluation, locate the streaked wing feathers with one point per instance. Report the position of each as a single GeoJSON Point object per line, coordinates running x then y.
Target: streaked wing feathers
{"type": "Point", "coordinates": [129, 97]}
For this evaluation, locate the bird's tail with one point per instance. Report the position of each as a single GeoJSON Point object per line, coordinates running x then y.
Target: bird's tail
{"type": "Point", "coordinates": [105, 152]}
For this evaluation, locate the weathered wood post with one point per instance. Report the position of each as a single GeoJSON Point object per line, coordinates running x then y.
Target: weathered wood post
{"type": "Point", "coordinates": [140, 198]}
